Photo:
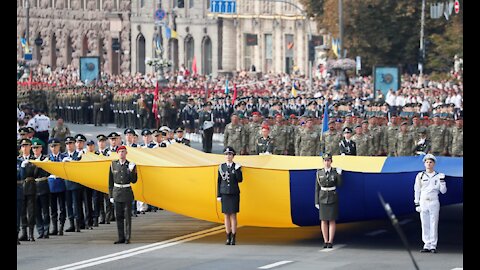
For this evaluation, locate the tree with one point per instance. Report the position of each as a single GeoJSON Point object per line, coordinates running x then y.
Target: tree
{"type": "Point", "coordinates": [387, 32]}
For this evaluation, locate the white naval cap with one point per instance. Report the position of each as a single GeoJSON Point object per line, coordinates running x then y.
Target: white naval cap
{"type": "Point", "coordinates": [429, 156]}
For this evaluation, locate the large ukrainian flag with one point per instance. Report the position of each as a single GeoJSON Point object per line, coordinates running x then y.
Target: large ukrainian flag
{"type": "Point", "coordinates": [277, 191]}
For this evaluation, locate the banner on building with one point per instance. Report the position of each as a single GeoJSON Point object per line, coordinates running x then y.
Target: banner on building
{"type": "Point", "coordinates": [89, 69]}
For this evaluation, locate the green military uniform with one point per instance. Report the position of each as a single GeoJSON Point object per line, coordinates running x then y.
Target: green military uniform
{"type": "Point", "coordinates": [456, 147]}
{"type": "Point", "coordinates": [234, 136]}
{"type": "Point", "coordinates": [439, 139]}
{"type": "Point", "coordinates": [60, 132]}
{"type": "Point", "coordinates": [265, 145]}
{"type": "Point", "coordinates": [405, 144]}
{"type": "Point", "coordinates": [390, 139]}
{"type": "Point", "coordinates": [377, 139]}
{"type": "Point", "coordinates": [325, 192]}
{"type": "Point", "coordinates": [119, 180]}
{"type": "Point", "coordinates": [308, 141]}
{"type": "Point", "coordinates": [253, 133]}
{"type": "Point", "coordinates": [363, 144]}
{"type": "Point", "coordinates": [281, 133]}
{"type": "Point", "coordinates": [330, 142]}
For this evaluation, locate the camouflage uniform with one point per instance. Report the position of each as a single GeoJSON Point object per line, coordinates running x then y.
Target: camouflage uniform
{"type": "Point", "coordinates": [405, 144]}
{"type": "Point", "coordinates": [281, 133]}
{"type": "Point", "coordinates": [331, 141]}
{"type": "Point", "coordinates": [439, 139]}
{"type": "Point", "coordinates": [390, 139]}
{"type": "Point", "coordinates": [363, 144]}
{"type": "Point", "coordinates": [308, 141]}
{"type": "Point", "coordinates": [234, 136]}
{"type": "Point", "coordinates": [456, 147]}
{"type": "Point", "coordinates": [253, 133]}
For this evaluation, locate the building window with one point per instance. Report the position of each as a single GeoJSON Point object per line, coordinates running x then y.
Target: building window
{"type": "Point", "coordinates": [66, 4]}
{"type": "Point", "coordinates": [180, 3]}
{"type": "Point", "coordinates": [100, 4]}
{"type": "Point", "coordinates": [208, 4]}
{"type": "Point", "coordinates": [248, 51]}
{"type": "Point", "coordinates": [82, 4]}
{"type": "Point", "coordinates": [289, 49]}
{"type": "Point", "coordinates": [142, 3]}
{"type": "Point", "coordinates": [189, 52]}
{"type": "Point", "coordinates": [191, 3]}
{"type": "Point", "coordinates": [115, 4]}
{"type": "Point", "coordinates": [268, 53]}
{"type": "Point", "coordinates": [207, 56]}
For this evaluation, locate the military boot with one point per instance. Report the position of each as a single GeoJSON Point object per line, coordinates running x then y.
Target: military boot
{"type": "Point", "coordinates": [31, 238]}
{"type": "Point", "coordinates": [54, 227]}
{"type": "Point", "coordinates": [229, 239]}
{"type": "Point", "coordinates": [72, 226]}
{"type": "Point", "coordinates": [77, 225]}
{"type": "Point", "coordinates": [233, 239]}
{"type": "Point", "coordinates": [60, 229]}
{"type": "Point", "coordinates": [95, 222]}
{"type": "Point", "coordinates": [24, 236]}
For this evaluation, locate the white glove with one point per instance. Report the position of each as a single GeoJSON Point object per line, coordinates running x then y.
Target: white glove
{"type": "Point", "coordinates": [138, 115]}
{"type": "Point", "coordinates": [421, 141]}
{"type": "Point", "coordinates": [343, 154]}
{"type": "Point", "coordinates": [219, 199]}
{"type": "Point", "coordinates": [111, 200]}
{"type": "Point", "coordinates": [131, 165]}
{"type": "Point", "coordinates": [101, 109]}
{"type": "Point", "coordinates": [52, 176]}
{"type": "Point", "coordinates": [418, 209]}
{"type": "Point", "coordinates": [80, 153]}
{"type": "Point", "coordinates": [66, 159]}
{"type": "Point", "coordinates": [317, 206]}
{"type": "Point", "coordinates": [24, 163]}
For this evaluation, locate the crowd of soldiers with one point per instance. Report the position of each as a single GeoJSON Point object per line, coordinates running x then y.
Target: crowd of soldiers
{"type": "Point", "coordinates": [46, 201]}
{"type": "Point", "coordinates": [373, 135]}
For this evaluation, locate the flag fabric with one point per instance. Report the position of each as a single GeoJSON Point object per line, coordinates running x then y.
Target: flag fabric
{"type": "Point", "coordinates": [155, 100]}
{"type": "Point", "coordinates": [325, 118]}
{"type": "Point", "coordinates": [168, 32]}
{"type": "Point", "coordinates": [226, 86]}
{"type": "Point", "coordinates": [234, 93]}
{"type": "Point", "coordinates": [174, 33]}
{"type": "Point", "coordinates": [24, 45]}
{"type": "Point", "coordinates": [294, 90]}
{"type": "Point", "coordinates": [336, 47]}
{"type": "Point", "coordinates": [194, 66]}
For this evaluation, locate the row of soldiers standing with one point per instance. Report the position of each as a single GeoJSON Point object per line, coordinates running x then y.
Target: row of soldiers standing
{"type": "Point", "coordinates": [373, 137]}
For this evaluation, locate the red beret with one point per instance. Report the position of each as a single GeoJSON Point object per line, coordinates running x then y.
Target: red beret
{"type": "Point", "coordinates": [255, 113]}
{"type": "Point", "coordinates": [121, 147]}
{"type": "Point", "coordinates": [425, 117]}
{"type": "Point", "coordinates": [278, 115]}
{"type": "Point", "coordinates": [265, 127]}
{"type": "Point", "coordinates": [293, 116]}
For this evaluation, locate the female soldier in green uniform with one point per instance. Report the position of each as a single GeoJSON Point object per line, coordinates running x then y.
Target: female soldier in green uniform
{"type": "Point", "coordinates": [326, 198]}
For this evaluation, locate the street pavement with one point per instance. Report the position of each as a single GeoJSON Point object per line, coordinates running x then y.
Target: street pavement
{"type": "Point", "coordinates": [165, 240]}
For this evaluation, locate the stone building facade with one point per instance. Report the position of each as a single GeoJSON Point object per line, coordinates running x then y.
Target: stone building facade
{"type": "Point", "coordinates": [69, 29]}
{"type": "Point", "coordinates": [277, 33]}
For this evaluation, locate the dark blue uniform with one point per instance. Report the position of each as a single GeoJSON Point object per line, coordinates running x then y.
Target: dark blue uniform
{"type": "Point", "coordinates": [57, 198]}
{"type": "Point", "coordinates": [43, 200]}
{"type": "Point", "coordinates": [228, 189]}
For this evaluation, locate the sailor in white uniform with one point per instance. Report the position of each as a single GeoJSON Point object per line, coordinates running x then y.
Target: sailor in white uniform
{"type": "Point", "coordinates": [428, 184]}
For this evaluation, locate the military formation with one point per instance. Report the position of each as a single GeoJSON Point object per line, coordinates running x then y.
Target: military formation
{"type": "Point", "coordinates": [46, 201]}
{"type": "Point", "coordinates": [350, 135]}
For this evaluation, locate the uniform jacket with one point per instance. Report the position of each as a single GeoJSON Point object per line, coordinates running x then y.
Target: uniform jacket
{"type": "Point", "coordinates": [19, 179]}
{"type": "Point", "coordinates": [228, 179]}
{"type": "Point", "coordinates": [120, 174]}
{"type": "Point", "coordinates": [348, 148]}
{"type": "Point", "coordinates": [70, 185]}
{"type": "Point", "coordinates": [183, 141]}
{"type": "Point", "coordinates": [334, 180]}
{"type": "Point", "coordinates": [56, 185]}
{"type": "Point", "coordinates": [427, 188]}
{"type": "Point", "coordinates": [27, 175]}
{"type": "Point", "coordinates": [41, 177]}
{"type": "Point", "coordinates": [265, 145]}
